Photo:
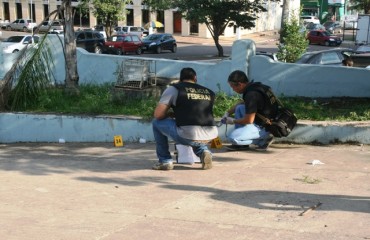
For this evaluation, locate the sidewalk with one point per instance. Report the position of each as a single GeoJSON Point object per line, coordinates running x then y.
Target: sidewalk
{"type": "Point", "coordinates": [96, 191]}
{"type": "Point", "coordinates": [257, 37]}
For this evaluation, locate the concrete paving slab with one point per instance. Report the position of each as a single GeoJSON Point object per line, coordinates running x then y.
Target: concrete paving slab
{"type": "Point", "coordinates": [98, 191]}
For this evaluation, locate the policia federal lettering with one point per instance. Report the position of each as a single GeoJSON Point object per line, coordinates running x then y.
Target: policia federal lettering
{"type": "Point", "coordinates": [193, 96]}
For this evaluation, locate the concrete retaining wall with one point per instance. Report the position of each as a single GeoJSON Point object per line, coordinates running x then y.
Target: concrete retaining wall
{"type": "Point", "coordinates": [22, 127]}
{"type": "Point", "coordinates": [284, 78]}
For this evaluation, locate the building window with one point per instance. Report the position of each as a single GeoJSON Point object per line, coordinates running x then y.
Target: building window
{"type": "Point", "coordinates": [46, 11]}
{"type": "Point", "coordinates": [18, 7]}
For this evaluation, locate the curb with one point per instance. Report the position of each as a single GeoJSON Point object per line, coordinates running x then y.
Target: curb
{"type": "Point", "coordinates": [39, 128]}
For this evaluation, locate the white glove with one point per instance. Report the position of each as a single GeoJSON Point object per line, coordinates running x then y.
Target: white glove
{"type": "Point", "coordinates": [225, 115]}
{"type": "Point", "coordinates": [230, 120]}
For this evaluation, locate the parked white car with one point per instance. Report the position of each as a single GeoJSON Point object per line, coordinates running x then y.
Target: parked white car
{"type": "Point", "coordinates": [3, 24]}
{"type": "Point", "coordinates": [308, 19]}
{"type": "Point", "coordinates": [25, 25]}
{"type": "Point", "coordinates": [17, 43]}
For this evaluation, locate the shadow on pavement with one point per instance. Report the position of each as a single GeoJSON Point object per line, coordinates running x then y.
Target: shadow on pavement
{"type": "Point", "coordinates": [287, 201]}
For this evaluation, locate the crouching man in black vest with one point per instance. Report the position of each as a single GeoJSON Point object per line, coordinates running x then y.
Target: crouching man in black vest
{"type": "Point", "coordinates": [258, 101]}
{"type": "Point", "coordinates": [191, 123]}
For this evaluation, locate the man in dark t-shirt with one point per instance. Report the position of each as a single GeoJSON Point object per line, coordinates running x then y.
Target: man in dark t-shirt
{"type": "Point", "coordinates": [249, 127]}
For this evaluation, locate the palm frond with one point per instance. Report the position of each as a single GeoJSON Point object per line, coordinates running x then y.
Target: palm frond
{"type": "Point", "coordinates": [32, 74]}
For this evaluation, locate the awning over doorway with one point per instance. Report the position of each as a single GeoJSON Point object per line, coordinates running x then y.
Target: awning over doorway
{"type": "Point", "coordinates": [309, 4]}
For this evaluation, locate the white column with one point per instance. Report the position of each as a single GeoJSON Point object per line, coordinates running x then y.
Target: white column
{"type": "Point", "coordinates": [238, 33]}
{"type": "Point", "coordinates": [168, 21]}
{"type": "Point", "coordinates": [185, 27]}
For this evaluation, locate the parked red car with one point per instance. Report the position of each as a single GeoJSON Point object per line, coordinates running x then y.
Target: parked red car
{"type": "Point", "coordinates": [123, 43]}
{"type": "Point", "coordinates": [323, 37]}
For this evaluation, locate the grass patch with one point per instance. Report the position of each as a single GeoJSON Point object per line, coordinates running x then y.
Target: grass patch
{"type": "Point", "coordinates": [96, 100]}
{"type": "Point", "coordinates": [309, 180]}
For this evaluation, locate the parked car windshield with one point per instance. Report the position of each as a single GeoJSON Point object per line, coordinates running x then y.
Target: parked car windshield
{"type": "Point", "coordinates": [363, 48]}
{"type": "Point", "coordinates": [119, 38]}
{"type": "Point", "coordinates": [304, 58]}
{"type": "Point", "coordinates": [153, 37]}
{"type": "Point", "coordinates": [14, 39]}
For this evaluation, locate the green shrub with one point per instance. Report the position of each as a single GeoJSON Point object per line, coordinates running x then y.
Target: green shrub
{"type": "Point", "coordinates": [293, 41]}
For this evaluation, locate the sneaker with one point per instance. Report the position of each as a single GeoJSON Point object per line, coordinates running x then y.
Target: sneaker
{"type": "Point", "coordinates": [206, 159]}
{"type": "Point", "coordinates": [163, 166]}
{"type": "Point", "coordinates": [267, 144]}
{"type": "Point", "coordinates": [237, 147]}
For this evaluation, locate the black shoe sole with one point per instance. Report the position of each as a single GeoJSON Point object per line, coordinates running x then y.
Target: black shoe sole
{"type": "Point", "coordinates": [237, 148]}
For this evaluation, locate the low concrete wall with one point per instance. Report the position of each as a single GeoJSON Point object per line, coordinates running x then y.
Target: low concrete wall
{"type": "Point", "coordinates": [308, 80]}
{"type": "Point", "coordinates": [284, 78]}
{"type": "Point", "coordinates": [21, 127]}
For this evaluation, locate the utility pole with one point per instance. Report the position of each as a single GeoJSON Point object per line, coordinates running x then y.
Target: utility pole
{"type": "Point", "coordinates": [284, 15]}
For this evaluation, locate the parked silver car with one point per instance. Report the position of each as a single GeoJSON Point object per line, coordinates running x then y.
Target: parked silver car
{"type": "Point", "coordinates": [51, 26]}
{"type": "Point", "coordinates": [333, 56]}
{"type": "Point", "coordinates": [140, 31]}
{"type": "Point", "coordinates": [333, 27]}
{"type": "Point", "coordinates": [25, 25]}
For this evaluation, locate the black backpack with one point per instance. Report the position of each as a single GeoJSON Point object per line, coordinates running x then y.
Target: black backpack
{"type": "Point", "coordinates": [282, 124]}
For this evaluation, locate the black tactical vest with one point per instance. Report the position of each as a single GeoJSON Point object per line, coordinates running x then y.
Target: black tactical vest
{"type": "Point", "coordinates": [194, 105]}
{"type": "Point", "coordinates": [270, 102]}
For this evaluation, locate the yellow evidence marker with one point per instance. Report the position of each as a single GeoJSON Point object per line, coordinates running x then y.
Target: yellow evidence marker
{"type": "Point", "coordinates": [118, 142]}
{"type": "Point", "coordinates": [216, 143]}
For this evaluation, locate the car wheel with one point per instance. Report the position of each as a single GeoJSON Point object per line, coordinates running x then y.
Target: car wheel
{"type": "Point", "coordinates": [158, 49]}
{"type": "Point", "coordinates": [119, 52]}
{"type": "Point", "coordinates": [174, 48]}
{"type": "Point", "coordinates": [326, 43]}
{"type": "Point", "coordinates": [25, 29]}
{"type": "Point", "coordinates": [98, 50]}
{"type": "Point", "coordinates": [138, 51]}
{"type": "Point", "coordinates": [15, 50]}
{"type": "Point", "coordinates": [9, 28]}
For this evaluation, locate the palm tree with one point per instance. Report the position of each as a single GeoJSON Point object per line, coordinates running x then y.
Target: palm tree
{"type": "Point", "coordinates": [31, 72]}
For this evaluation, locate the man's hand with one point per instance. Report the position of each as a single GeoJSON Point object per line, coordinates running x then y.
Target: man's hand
{"type": "Point", "coordinates": [224, 117]}
{"type": "Point", "coordinates": [230, 120]}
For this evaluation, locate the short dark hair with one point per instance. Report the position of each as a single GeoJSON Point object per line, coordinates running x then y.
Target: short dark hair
{"type": "Point", "coordinates": [187, 74]}
{"type": "Point", "coordinates": [238, 77]}
{"type": "Point", "coordinates": [347, 62]}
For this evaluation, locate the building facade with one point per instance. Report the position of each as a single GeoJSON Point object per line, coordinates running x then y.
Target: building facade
{"type": "Point", "coordinates": [137, 14]}
{"type": "Point", "coordinates": [326, 10]}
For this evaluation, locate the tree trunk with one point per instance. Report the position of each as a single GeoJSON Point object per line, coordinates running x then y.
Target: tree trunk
{"type": "Point", "coordinates": [220, 49]}
{"type": "Point", "coordinates": [71, 81]}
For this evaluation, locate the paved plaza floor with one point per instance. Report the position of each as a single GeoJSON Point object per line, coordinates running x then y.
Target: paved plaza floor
{"type": "Point", "coordinates": [98, 191]}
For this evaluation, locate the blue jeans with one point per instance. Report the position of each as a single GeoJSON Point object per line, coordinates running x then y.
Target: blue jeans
{"type": "Point", "coordinates": [247, 134]}
{"type": "Point", "coordinates": [166, 128]}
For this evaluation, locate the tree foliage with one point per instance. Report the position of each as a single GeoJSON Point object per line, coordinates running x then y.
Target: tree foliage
{"type": "Point", "coordinates": [216, 14]}
{"type": "Point", "coordinates": [360, 5]}
{"type": "Point", "coordinates": [109, 12]}
{"type": "Point", "coordinates": [293, 41]}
